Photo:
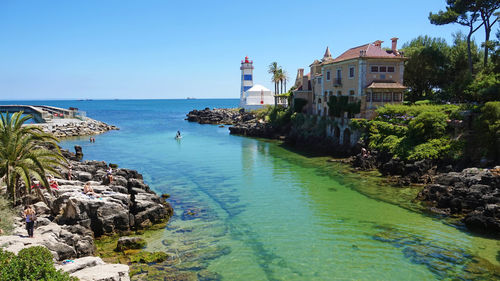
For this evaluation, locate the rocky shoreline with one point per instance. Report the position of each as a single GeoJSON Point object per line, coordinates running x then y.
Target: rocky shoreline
{"type": "Point", "coordinates": [62, 128]}
{"type": "Point", "coordinates": [68, 225]}
{"type": "Point", "coordinates": [472, 195]}
{"type": "Point", "coordinates": [451, 189]}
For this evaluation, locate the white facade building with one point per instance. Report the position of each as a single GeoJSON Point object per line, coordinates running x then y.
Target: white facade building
{"type": "Point", "coordinates": [252, 96]}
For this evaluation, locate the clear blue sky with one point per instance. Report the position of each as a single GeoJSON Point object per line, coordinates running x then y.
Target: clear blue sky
{"type": "Point", "coordinates": [174, 49]}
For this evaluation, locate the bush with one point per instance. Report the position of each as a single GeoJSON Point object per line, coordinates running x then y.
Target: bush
{"type": "Point", "coordinates": [34, 263]}
{"type": "Point", "coordinates": [298, 104]}
{"type": "Point", "coordinates": [489, 130]}
{"type": "Point", "coordinates": [433, 149]}
{"type": "Point", "coordinates": [428, 125]}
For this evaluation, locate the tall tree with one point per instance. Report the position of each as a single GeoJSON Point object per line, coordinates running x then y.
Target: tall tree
{"type": "Point", "coordinates": [425, 70]}
{"type": "Point", "coordinates": [273, 69]}
{"type": "Point", "coordinates": [23, 155]}
{"type": "Point", "coordinates": [489, 15]}
{"type": "Point", "coordinates": [463, 12]}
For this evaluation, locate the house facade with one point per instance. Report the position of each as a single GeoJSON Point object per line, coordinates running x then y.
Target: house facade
{"type": "Point", "coordinates": [367, 74]}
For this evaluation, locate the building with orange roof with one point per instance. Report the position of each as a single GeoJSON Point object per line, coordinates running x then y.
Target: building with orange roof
{"type": "Point", "coordinates": [368, 74]}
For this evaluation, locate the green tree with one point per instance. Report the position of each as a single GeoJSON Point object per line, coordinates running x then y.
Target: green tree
{"type": "Point", "coordinates": [426, 66]}
{"type": "Point", "coordinates": [458, 75]}
{"type": "Point", "coordinates": [24, 156]}
{"type": "Point", "coordinates": [273, 70]}
{"type": "Point", "coordinates": [488, 11]}
{"type": "Point", "coordinates": [463, 12]}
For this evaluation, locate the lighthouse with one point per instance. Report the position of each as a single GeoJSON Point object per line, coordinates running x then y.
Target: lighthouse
{"type": "Point", "coordinates": [252, 96]}
{"type": "Point", "coordinates": [246, 78]}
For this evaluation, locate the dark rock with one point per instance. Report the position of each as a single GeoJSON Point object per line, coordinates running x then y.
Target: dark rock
{"type": "Point", "coordinates": [129, 243]}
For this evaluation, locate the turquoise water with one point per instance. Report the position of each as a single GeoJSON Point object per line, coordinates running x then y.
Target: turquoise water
{"type": "Point", "coordinates": [248, 209]}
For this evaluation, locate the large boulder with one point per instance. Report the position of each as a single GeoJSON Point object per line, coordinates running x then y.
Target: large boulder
{"type": "Point", "coordinates": [128, 243]}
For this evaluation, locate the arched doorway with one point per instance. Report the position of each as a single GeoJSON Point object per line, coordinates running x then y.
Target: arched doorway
{"type": "Point", "coordinates": [336, 134]}
{"type": "Point", "coordinates": [347, 136]}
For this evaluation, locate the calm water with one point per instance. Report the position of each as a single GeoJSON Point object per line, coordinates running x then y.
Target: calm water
{"type": "Point", "coordinates": [272, 214]}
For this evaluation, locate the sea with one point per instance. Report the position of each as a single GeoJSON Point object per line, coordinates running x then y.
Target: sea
{"type": "Point", "coordinates": [255, 209]}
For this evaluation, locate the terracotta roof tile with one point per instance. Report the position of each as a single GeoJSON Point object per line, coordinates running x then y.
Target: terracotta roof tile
{"type": "Point", "coordinates": [371, 51]}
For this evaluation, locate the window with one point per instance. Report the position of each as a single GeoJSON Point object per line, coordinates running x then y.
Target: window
{"type": "Point", "coordinates": [376, 96]}
{"type": "Point", "coordinates": [382, 69]}
{"type": "Point", "coordinates": [374, 69]}
{"type": "Point", "coordinates": [351, 93]}
{"type": "Point", "coordinates": [328, 76]}
{"type": "Point", "coordinates": [387, 96]}
{"type": "Point", "coordinates": [397, 96]}
{"type": "Point", "coordinates": [247, 77]}
{"type": "Point", "coordinates": [351, 72]}
{"type": "Point", "coordinates": [390, 69]}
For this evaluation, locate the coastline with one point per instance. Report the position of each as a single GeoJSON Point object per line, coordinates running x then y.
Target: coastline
{"type": "Point", "coordinates": [70, 221]}
{"type": "Point", "coordinates": [448, 189]}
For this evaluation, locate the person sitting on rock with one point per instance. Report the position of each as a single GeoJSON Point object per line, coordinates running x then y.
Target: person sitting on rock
{"type": "Point", "coordinates": [52, 182]}
{"type": "Point", "coordinates": [109, 174]}
{"type": "Point", "coordinates": [88, 190]}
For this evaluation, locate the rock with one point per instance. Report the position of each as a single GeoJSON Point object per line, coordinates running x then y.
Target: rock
{"type": "Point", "coordinates": [103, 272]}
{"type": "Point", "coordinates": [473, 192]}
{"type": "Point", "coordinates": [41, 208]}
{"type": "Point", "coordinates": [84, 176]}
{"type": "Point", "coordinates": [128, 243]}
{"type": "Point", "coordinates": [79, 264]}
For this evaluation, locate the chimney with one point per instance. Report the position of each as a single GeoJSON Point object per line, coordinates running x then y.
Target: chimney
{"type": "Point", "coordinates": [378, 43]}
{"type": "Point", "coordinates": [300, 75]}
{"type": "Point", "coordinates": [394, 45]}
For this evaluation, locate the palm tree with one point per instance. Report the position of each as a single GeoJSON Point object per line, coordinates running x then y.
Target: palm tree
{"type": "Point", "coordinates": [24, 156]}
{"type": "Point", "coordinates": [273, 69]}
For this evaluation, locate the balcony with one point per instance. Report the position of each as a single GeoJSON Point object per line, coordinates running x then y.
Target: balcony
{"type": "Point", "coordinates": [337, 82]}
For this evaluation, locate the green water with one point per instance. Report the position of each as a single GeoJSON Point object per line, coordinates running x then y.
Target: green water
{"type": "Point", "coordinates": [248, 209]}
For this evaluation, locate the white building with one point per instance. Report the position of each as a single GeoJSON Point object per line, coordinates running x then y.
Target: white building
{"type": "Point", "coordinates": [252, 96]}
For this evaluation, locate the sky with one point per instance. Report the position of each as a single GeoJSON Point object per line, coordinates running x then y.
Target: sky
{"type": "Point", "coordinates": [118, 49]}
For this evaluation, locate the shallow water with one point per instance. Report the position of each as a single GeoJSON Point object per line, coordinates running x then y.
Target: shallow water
{"type": "Point", "coordinates": [249, 209]}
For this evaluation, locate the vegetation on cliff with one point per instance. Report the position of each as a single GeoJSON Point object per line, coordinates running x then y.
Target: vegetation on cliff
{"type": "Point", "coordinates": [34, 263]}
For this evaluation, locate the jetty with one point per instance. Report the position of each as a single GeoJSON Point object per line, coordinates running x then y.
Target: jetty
{"type": "Point", "coordinates": [44, 113]}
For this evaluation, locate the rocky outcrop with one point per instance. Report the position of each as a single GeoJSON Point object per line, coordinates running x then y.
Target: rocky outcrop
{"type": "Point", "coordinates": [226, 116]}
{"type": "Point", "coordinates": [473, 193]}
{"type": "Point", "coordinates": [254, 128]}
{"type": "Point", "coordinates": [75, 127]}
{"type": "Point", "coordinates": [94, 269]}
{"type": "Point", "coordinates": [125, 204]}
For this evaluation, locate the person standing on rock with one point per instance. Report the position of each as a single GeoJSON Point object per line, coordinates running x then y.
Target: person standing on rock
{"type": "Point", "coordinates": [109, 174]}
{"type": "Point", "coordinates": [30, 217]}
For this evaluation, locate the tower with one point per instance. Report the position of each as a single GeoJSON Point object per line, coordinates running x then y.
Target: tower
{"type": "Point", "coordinates": [246, 78]}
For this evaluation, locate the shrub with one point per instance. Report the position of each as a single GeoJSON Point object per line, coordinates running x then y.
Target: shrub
{"type": "Point", "coordinates": [298, 104]}
{"type": "Point", "coordinates": [489, 129]}
{"type": "Point", "coordinates": [34, 263]}
{"type": "Point", "coordinates": [428, 125]}
{"type": "Point", "coordinates": [433, 149]}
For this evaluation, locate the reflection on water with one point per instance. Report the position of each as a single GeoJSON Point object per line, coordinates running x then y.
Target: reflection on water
{"type": "Point", "coordinates": [248, 209]}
